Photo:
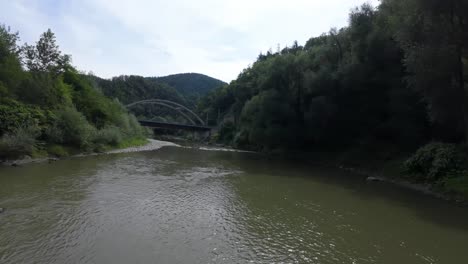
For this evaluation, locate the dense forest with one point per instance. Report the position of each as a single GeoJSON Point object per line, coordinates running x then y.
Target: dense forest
{"type": "Point", "coordinates": [185, 89]}
{"type": "Point", "coordinates": [392, 81]}
{"type": "Point", "coordinates": [48, 107]}
{"type": "Point", "coordinates": [392, 84]}
{"type": "Point", "coordinates": [128, 89]}
{"type": "Point", "coordinates": [192, 85]}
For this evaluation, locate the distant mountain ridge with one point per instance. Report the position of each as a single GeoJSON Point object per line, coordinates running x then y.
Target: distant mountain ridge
{"type": "Point", "coordinates": [185, 88]}
{"type": "Point", "coordinates": [190, 84]}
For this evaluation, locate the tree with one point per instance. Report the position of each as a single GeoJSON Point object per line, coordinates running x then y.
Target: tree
{"type": "Point", "coordinates": [434, 36]}
{"type": "Point", "coordinates": [11, 72]}
{"type": "Point", "coordinates": [45, 56]}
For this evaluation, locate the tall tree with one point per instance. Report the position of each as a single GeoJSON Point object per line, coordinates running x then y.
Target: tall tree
{"type": "Point", "coordinates": [45, 56]}
{"type": "Point", "coordinates": [434, 36]}
{"type": "Point", "coordinates": [10, 67]}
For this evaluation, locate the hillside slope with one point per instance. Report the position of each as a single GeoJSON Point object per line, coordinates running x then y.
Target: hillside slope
{"type": "Point", "coordinates": [190, 84]}
{"type": "Point", "coordinates": [130, 89]}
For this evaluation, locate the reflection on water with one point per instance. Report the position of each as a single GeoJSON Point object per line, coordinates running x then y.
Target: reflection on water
{"type": "Point", "coordinates": [191, 206]}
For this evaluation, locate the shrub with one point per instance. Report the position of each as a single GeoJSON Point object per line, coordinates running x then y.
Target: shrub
{"type": "Point", "coordinates": [109, 136]}
{"type": "Point", "coordinates": [435, 161]}
{"type": "Point", "coordinates": [457, 184]}
{"type": "Point", "coordinates": [14, 114]}
{"type": "Point", "coordinates": [226, 132]}
{"type": "Point", "coordinates": [129, 125]}
{"type": "Point", "coordinates": [241, 140]}
{"type": "Point", "coordinates": [19, 143]}
{"type": "Point", "coordinates": [71, 128]}
{"type": "Point", "coordinates": [58, 151]}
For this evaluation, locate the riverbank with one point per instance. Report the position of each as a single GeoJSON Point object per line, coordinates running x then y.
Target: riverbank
{"type": "Point", "coordinates": [373, 168]}
{"type": "Point", "coordinates": [150, 145]}
{"type": "Point", "coordinates": [146, 200]}
{"type": "Point", "coordinates": [385, 167]}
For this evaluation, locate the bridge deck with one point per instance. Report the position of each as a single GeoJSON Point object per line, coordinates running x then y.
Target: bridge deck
{"type": "Point", "coordinates": [173, 126]}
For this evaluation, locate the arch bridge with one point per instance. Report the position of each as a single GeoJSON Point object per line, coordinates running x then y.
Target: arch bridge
{"type": "Point", "coordinates": [196, 123]}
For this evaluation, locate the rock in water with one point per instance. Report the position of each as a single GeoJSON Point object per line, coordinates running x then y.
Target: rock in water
{"type": "Point", "coordinates": [2, 210]}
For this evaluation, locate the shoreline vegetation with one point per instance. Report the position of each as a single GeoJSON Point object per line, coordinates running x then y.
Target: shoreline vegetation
{"type": "Point", "coordinates": [49, 108]}
{"type": "Point", "coordinates": [392, 171]}
{"type": "Point", "coordinates": [386, 94]}
{"type": "Point", "coordinates": [387, 172]}
{"type": "Point", "coordinates": [135, 146]}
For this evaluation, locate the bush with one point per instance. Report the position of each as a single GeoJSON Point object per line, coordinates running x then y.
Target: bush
{"type": "Point", "coordinates": [57, 151]}
{"type": "Point", "coordinates": [14, 114]}
{"type": "Point", "coordinates": [435, 161]}
{"type": "Point", "coordinates": [226, 132]}
{"type": "Point", "coordinates": [129, 125]}
{"type": "Point", "coordinates": [71, 128]}
{"type": "Point", "coordinates": [457, 184]}
{"type": "Point", "coordinates": [109, 136]}
{"type": "Point", "coordinates": [19, 143]}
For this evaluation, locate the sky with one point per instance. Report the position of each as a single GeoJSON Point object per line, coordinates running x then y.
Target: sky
{"type": "Point", "coordinates": [218, 38]}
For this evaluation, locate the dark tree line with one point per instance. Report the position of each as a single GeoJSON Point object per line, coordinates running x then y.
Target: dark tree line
{"type": "Point", "coordinates": [390, 85]}
{"type": "Point", "coordinates": [395, 75]}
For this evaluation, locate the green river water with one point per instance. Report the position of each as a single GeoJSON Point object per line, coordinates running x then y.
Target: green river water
{"type": "Point", "coordinates": [179, 205]}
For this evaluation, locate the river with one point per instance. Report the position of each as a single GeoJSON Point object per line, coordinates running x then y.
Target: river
{"type": "Point", "coordinates": [179, 205]}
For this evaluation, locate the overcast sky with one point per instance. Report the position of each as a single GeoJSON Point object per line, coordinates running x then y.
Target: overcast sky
{"type": "Point", "coordinates": [155, 38]}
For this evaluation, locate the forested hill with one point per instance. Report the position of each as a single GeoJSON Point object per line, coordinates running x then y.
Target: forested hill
{"type": "Point", "coordinates": [128, 89]}
{"type": "Point", "coordinates": [191, 84]}
{"type": "Point", "coordinates": [397, 74]}
{"type": "Point", "coordinates": [185, 88]}
{"type": "Point", "coordinates": [393, 80]}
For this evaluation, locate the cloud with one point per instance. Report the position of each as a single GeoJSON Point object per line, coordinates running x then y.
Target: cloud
{"type": "Point", "coordinates": [155, 38]}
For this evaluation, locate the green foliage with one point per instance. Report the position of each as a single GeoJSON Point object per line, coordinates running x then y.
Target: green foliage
{"type": "Point", "coordinates": [11, 73]}
{"type": "Point", "coordinates": [45, 56]}
{"type": "Point", "coordinates": [433, 35]}
{"type": "Point", "coordinates": [226, 132]}
{"type": "Point", "coordinates": [57, 151]}
{"type": "Point", "coordinates": [130, 89]}
{"type": "Point", "coordinates": [133, 142]}
{"type": "Point", "coordinates": [45, 91]}
{"type": "Point", "coordinates": [97, 109]}
{"type": "Point", "coordinates": [19, 143]}
{"type": "Point", "coordinates": [71, 128]}
{"type": "Point", "coordinates": [342, 88]}
{"type": "Point", "coordinates": [109, 136]}
{"type": "Point", "coordinates": [458, 185]}
{"type": "Point", "coordinates": [266, 120]}
{"type": "Point", "coordinates": [191, 85]}
{"type": "Point", "coordinates": [435, 161]}
{"type": "Point", "coordinates": [185, 89]}
{"type": "Point", "coordinates": [67, 109]}
{"type": "Point", "coordinates": [14, 114]}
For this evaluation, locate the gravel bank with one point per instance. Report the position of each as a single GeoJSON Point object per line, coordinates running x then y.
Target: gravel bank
{"type": "Point", "coordinates": [152, 145]}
